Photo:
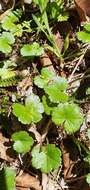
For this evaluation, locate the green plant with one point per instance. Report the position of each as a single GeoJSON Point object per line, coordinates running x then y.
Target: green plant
{"type": "Point", "coordinates": [6, 40]}
{"type": "Point", "coordinates": [69, 116]}
{"type": "Point", "coordinates": [43, 25]}
{"type": "Point", "coordinates": [31, 112]}
{"type": "Point", "coordinates": [84, 35]}
{"type": "Point", "coordinates": [42, 157]}
{"type": "Point", "coordinates": [22, 142]}
{"type": "Point", "coordinates": [88, 178]}
{"type": "Point", "coordinates": [57, 103]}
{"type": "Point", "coordinates": [7, 179]}
{"type": "Point", "coordinates": [8, 76]}
{"type": "Point", "coordinates": [32, 50]}
{"type": "Point", "coordinates": [11, 22]}
{"type": "Point", "coordinates": [54, 86]}
{"type": "Point", "coordinates": [46, 158]}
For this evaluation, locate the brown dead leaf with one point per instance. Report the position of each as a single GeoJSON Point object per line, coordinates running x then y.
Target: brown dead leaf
{"type": "Point", "coordinates": [59, 40]}
{"type": "Point", "coordinates": [83, 8]}
{"type": "Point", "coordinates": [67, 162]}
{"type": "Point", "coordinates": [28, 181]}
{"type": "Point", "coordinates": [3, 149]}
{"type": "Point", "coordinates": [46, 62]}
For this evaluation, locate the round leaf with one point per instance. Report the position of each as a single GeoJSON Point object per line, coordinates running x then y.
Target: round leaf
{"type": "Point", "coordinates": [44, 78]}
{"type": "Point", "coordinates": [32, 50]}
{"type": "Point", "coordinates": [68, 115]}
{"type": "Point", "coordinates": [31, 112]}
{"type": "Point", "coordinates": [87, 27]}
{"type": "Point", "coordinates": [56, 90]}
{"type": "Point", "coordinates": [84, 36]}
{"type": "Point", "coordinates": [46, 159]}
{"type": "Point", "coordinates": [22, 142]}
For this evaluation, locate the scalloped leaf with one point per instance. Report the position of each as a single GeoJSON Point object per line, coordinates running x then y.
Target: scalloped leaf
{"type": "Point", "coordinates": [68, 115]}
{"type": "Point", "coordinates": [32, 50]}
{"type": "Point", "coordinates": [22, 142]}
{"type": "Point", "coordinates": [47, 158]}
{"type": "Point", "coordinates": [9, 24]}
{"type": "Point", "coordinates": [44, 78]}
{"type": "Point", "coordinates": [7, 179]}
{"type": "Point", "coordinates": [6, 40]}
{"type": "Point", "coordinates": [31, 112]}
{"type": "Point", "coordinates": [87, 27]}
{"type": "Point", "coordinates": [56, 90]}
{"type": "Point", "coordinates": [84, 36]}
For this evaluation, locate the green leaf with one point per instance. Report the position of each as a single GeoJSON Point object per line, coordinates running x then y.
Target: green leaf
{"type": "Point", "coordinates": [32, 50]}
{"type": "Point", "coordinates": [9, 24]}
{"type": "Point", "coordinates": [6, 39]}
{"type": "Point", "coordinates": [68, 115]}
{"type": "Point", "coordinates": [47, 158]}
{"type": "Point", "coordinates": [63, 17]}
{"type": "Point", "coordinates": [53, 85]}
{"type": "Point", "coordinates": [87, 27]}
{"type": "Point", "coordinates": [7, 179]}
{"type": "Point", "coordinates": [22, 142]}
{"type": "Point", "coordinates": [84, 36]}
{"type": "Point", "coordinates": [6, 73]}
{"type": "Point", "coordinates": [47, 105]}
{"type": "Point", "coordinates": [88, 178]}
{"type": "Point", "coordinates": [44, 78]}
{"type": "Point", "coordinates": [56, 90]}
{"type": "Point", "coordinates": [87, 158]}
{"type": "Point", "coordinates": [31, 112]}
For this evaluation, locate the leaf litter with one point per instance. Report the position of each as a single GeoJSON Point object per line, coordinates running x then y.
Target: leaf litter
{"type": "Point", "coordinates": [52, 63]}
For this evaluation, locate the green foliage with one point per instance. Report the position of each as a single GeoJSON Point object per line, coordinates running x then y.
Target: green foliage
{"type": "Point", "coordinates": [47, 158]}
{"type": "Point", "coordinates": [53, 86]}
{"type": "Point", "coordinates": [6, 73]}
{"type": "Point", "coordinates": [69, 116]}
{"type": "Point", "coordinates": [31, 112]}
{"type": "Point", "coordinates": [9, 23]}
{"type": "Point", "coordinates": [8, 76]}
{"type": "Point", "coordinates": [32, 50]}
{"type": "Point", "coordinates": [43, 25]}
{"type": "Point", "coordinates": [56, 90]}
{"type": "Point", "coordinates": [48, 106]}
{"type": "Point", "coordinates": [87, 158]}
{"type": "Point", "coordinates": [88, 178]}
{"type": "Point", "coordinates": [6, 40]}
{"type": "Point", "coordinates": [42, 80]}
{"type": "Point", "coordinates": [84, 35]}
{"type": "Point", "coordinates": [63, 16]}
{"type": "Point", "coordinates": [11, 81]}
{"type": "Point", "coordinates": [7, 179]}
{"type": "Point", "coordinates": [22, 142]}
{"type": "Point", "coordinates": [66, 114]}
